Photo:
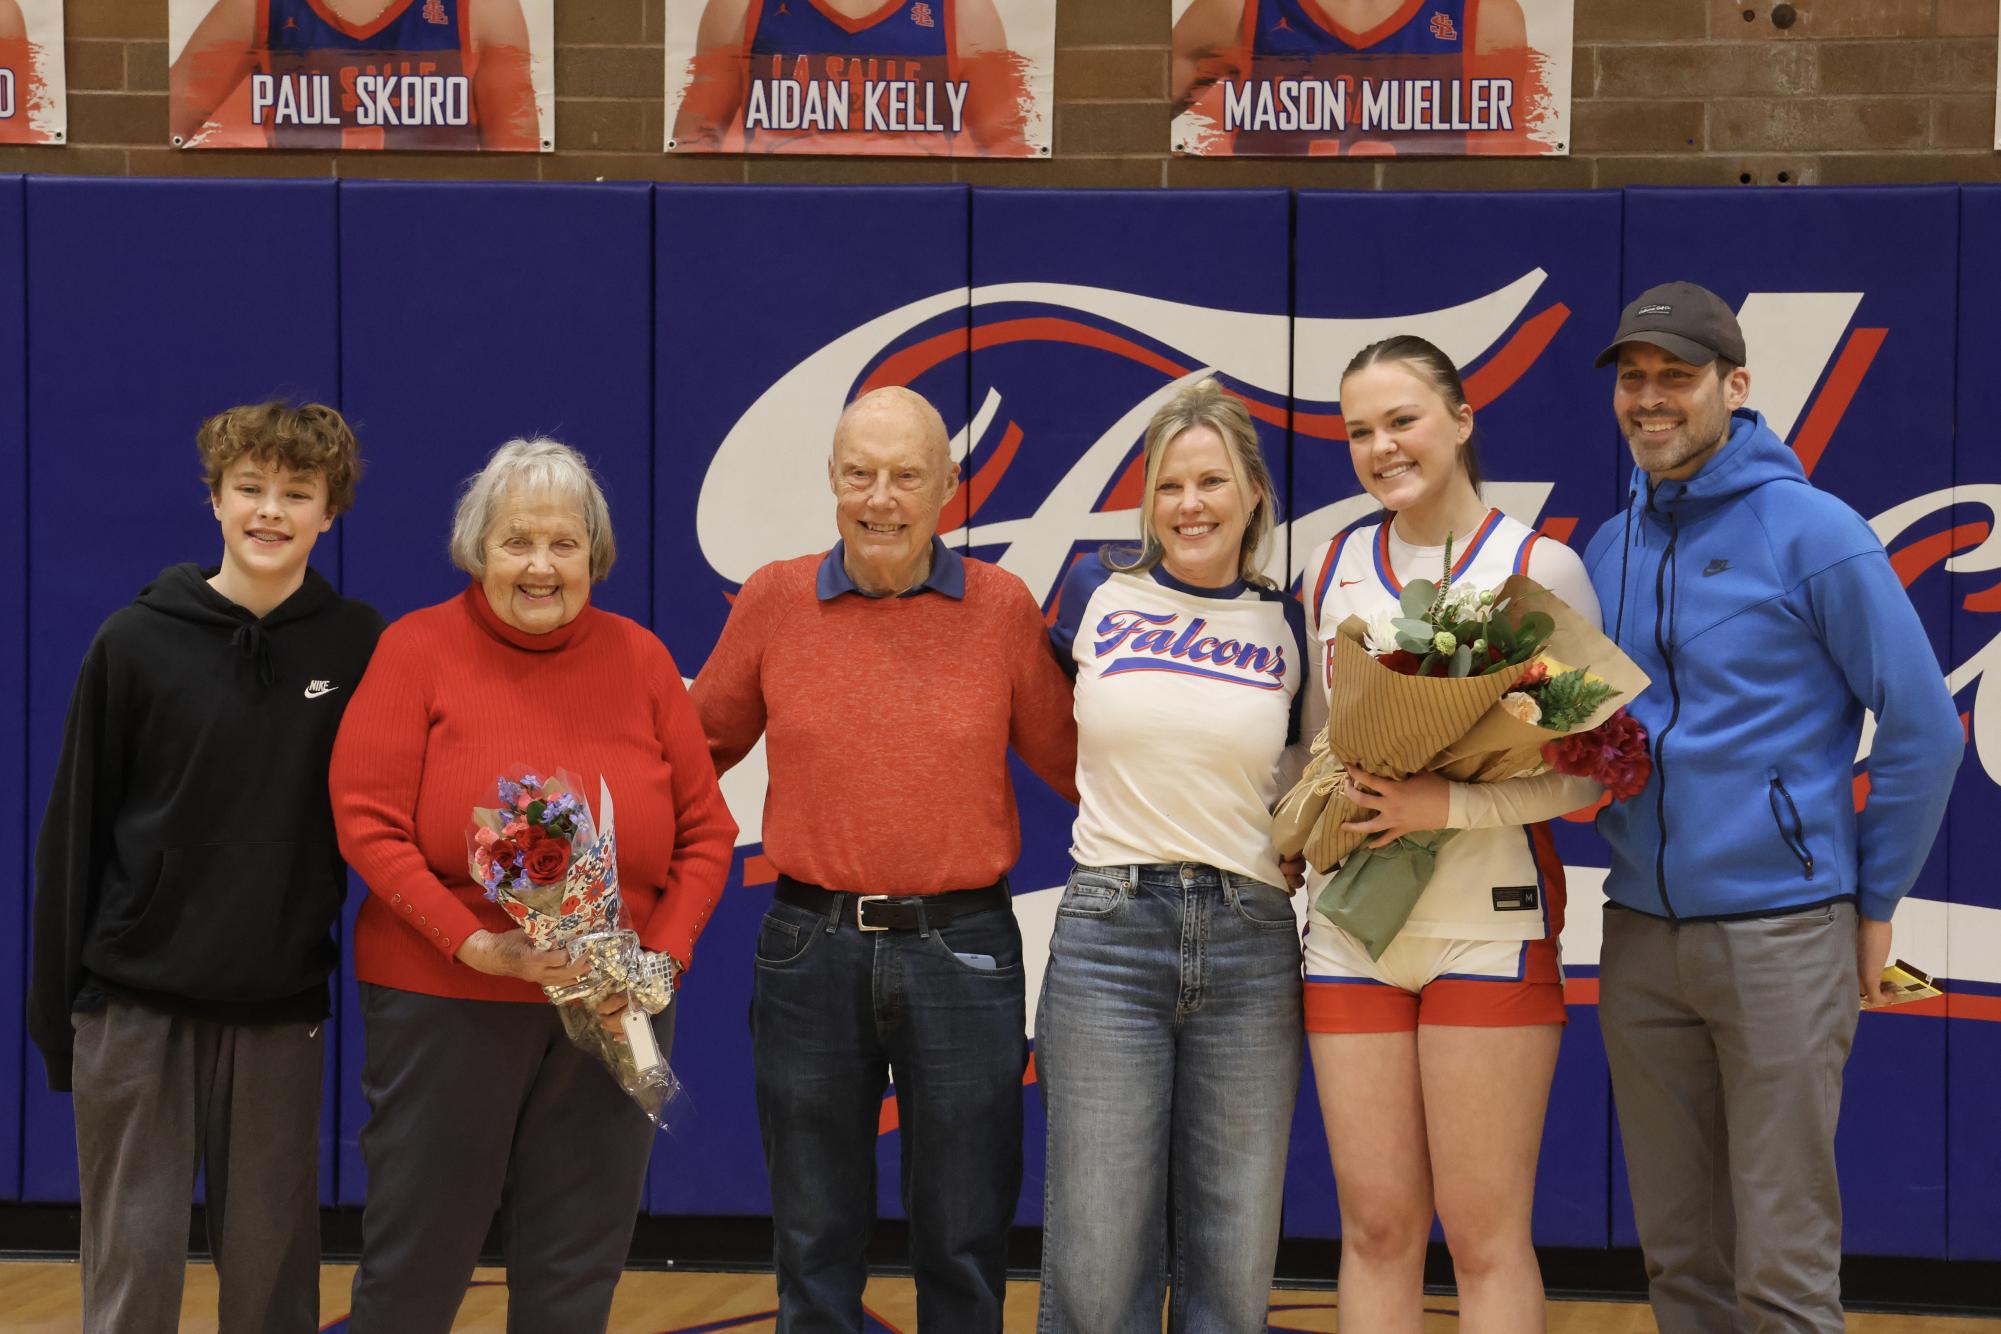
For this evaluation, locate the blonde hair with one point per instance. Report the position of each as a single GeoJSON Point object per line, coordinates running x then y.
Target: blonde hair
{"type": "Point", "coordinates": [1206, 403]}
{"type": "Point", "coordinates": [310, 438]}
{"type": "Point", "coordinates": [541, 468]}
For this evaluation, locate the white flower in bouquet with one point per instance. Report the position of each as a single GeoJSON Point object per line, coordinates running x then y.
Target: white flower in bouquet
{"type": "Point", "coordinates": [1463, 602]}
{"type": "Point", "coordinates": [1522, 707]}
{"type": "Point", "coordinates": [1382, 634]}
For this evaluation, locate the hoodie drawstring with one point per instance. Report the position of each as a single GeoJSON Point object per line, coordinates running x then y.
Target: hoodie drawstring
{"type": "Point", "coordinates": [252, 642]}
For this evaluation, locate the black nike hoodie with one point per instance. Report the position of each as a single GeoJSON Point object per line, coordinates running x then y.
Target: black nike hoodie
{"type": "Point", "coordinates": [187, 859]}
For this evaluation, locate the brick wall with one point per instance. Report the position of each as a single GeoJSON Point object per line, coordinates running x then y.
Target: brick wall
{"type": "Point", "coordinates": [1672, 92]}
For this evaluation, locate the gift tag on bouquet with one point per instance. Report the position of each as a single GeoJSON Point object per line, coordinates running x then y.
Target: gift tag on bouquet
{"type": "Point", "coordinates": [638, 1027]}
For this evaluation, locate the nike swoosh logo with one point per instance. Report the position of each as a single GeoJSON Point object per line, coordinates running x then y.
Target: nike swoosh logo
{"type": "Point", "coordinates": [1346, 582]}
{"type": "Point", "coordinates": [315, 691]}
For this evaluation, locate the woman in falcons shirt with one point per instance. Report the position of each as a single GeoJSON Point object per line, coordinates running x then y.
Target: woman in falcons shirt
{"type": "Point", "coordinates": [1167, 1037]}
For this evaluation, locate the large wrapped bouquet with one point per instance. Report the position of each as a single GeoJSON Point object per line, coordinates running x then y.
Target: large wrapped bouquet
{"type": "Point", "coordinates": [1477, 685]}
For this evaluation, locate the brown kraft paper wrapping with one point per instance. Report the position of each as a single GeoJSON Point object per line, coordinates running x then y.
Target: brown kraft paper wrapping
{"type": "Point", "coordinates": [1383, 722]}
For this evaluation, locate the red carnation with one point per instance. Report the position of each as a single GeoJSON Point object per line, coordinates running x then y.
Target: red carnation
{"type": "Point", "coordinates": [1613, 754]}
{"type": "Point", "coordinates": [546, 861]}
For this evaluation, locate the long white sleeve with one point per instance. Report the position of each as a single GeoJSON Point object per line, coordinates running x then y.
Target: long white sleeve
{"type": "Point", "coordinates": [1518, 801]}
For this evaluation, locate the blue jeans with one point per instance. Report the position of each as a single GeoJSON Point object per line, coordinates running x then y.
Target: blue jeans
{"type": "Point", "coordinates": [1168, 1046]}
{"type": "Point", "coordinates": [832, 1008]}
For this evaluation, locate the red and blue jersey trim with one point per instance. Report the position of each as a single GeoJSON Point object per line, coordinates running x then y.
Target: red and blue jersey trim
{"type": "Point", "coordinates": [1387, 572]}
{"type": "Point", "coordinates": [1334, 551]}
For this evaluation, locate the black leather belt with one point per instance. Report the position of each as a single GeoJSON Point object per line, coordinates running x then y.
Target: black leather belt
{"type": "Point", "coordinates": [884, 912]}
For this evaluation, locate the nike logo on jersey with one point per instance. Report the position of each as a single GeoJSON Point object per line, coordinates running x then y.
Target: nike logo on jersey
{"type": "Point", "coordinates": [1346, 582]}
{"type": "Point", "coordinates": [1717, 566]}
{"type": "Point", "coordinates": [318, 688]}
{"type": "Point", "coordinates": [1159, 643]}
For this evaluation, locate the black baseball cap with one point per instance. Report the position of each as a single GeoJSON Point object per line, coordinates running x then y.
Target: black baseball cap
{"type": "Point", "coordinates": [1685, 320]}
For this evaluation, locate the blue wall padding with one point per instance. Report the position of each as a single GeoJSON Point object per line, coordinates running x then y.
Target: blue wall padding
{"type": "Point", "coordinates": [151, 304]}
{"type": "Point", "coordinates": [469, 317]}
{"type": "Point", "coordinates": [1973, 1050]}
{"type": "Point", "coordinates": [1895, 442]}
{"type": "Point", "coordinates": [697, 343]}
{"type": "Point", "coordinates": [15, 872]}
{"type": "Point", "coordinates": [767, 278]}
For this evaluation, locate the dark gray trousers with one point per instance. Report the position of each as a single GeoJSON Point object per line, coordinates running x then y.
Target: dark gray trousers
{"type": "Point", "coordinates": [1727, 1042]}
{"type": "Point", "coordinates": [478, 1108]}
{"type": "Point", "coordinates": [158, 1097]}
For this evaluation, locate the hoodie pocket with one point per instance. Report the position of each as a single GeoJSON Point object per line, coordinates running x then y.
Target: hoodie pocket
{"type": "Point", "coordinates": [234, 922]}
{"type": "Point", "coordinates": [1786, 816]}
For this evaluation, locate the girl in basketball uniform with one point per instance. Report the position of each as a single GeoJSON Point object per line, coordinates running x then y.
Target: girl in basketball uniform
{"type": "Point", "coordinates": [1434, 1062]}
{"type": "Point", "coordinates": [1167, 1036]}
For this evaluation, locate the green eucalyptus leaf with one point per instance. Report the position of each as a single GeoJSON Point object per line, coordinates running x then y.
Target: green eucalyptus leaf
{"type": "Point", "coordinates": [1417, 597]}
{"type": "Point", "coordinates": [1462, 661]}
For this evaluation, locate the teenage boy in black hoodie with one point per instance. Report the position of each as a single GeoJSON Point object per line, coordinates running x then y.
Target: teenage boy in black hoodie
{"type": "Point", "coordinates": [187, 883]}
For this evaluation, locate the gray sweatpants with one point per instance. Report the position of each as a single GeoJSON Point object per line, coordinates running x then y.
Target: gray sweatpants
{"type": "Point", "coordinates": [484, 1107]}
{"type": "Point", "coordinates": [1727, 1042]}
{"type": "Point", "coordinates": [157, 1097]}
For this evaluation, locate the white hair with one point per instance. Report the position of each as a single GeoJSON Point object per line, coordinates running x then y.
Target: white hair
{"type": "Point", "coordinates": [542, 469]}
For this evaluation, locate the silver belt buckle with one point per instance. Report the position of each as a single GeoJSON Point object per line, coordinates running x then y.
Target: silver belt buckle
{"type": "Point", "coordinates": [861, 901]}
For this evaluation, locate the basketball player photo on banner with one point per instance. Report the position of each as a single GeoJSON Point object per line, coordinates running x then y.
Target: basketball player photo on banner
{"type": "Point", "coordinates": [33, 106]}
{"type": "Point", "coordinates": [914, 78]}
{"type": "Point", "coordinates": [363, 75]}
{"type": "Point", "coordinates": [1355, 78]}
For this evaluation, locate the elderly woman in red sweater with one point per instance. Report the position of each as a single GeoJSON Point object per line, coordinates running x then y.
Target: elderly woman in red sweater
{"type": "Point", "coordinates": [478, 1103]}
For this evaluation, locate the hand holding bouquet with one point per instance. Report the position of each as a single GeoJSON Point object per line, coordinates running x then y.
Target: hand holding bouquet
{"type": "Point", "coordinates": [555, 872]}
{"type": "Point", "coordinates": [1474, 685]}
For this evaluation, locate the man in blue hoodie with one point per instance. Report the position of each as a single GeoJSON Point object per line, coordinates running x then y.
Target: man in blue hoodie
{"type": "Point", "coordinates": [1750, 902]}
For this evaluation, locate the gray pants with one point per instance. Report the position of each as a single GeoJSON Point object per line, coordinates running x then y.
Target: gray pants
{"type": "Point", "coordinates": [158, 1097]}
{"type": "Point", "coordinates": [484, 1107]}
{"type": "Point", "coordinates": [1726, 1042]}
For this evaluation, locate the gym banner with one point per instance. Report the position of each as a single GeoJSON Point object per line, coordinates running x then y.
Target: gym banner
{"type": "Point", "coordinates": [911, 78]}
{"type": "Point", "coordinates": [1354, 78]}
{"type": "Point", "coordinates": [361, 76]}
{"type": "Point", "coordinates": [34, 108]}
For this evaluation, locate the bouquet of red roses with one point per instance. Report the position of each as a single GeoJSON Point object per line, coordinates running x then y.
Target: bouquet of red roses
{"type": "Point", "coordinates": [554, 870]}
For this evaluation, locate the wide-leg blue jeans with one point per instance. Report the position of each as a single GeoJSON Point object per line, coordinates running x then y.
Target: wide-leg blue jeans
{"type": "Point", "coordinates": [1168, 1046]}
{"type": "Point", "coordinates": [832, 1009]}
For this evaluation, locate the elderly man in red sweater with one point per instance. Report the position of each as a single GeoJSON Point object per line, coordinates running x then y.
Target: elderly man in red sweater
{"type": "Point", "coordinates": [889, 677]}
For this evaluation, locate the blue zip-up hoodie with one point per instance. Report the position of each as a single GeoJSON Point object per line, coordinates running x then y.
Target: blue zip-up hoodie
{"type": "Point", "coordinates": [1769, 618]}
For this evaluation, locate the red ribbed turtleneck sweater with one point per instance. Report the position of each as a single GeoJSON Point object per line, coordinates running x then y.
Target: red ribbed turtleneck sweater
{"type": "Point", "coordinates": [454, 698]}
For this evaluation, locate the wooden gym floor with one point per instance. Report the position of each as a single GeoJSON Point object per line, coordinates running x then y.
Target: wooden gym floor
{"type": "Point", "coordinates": [41, 1298]}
